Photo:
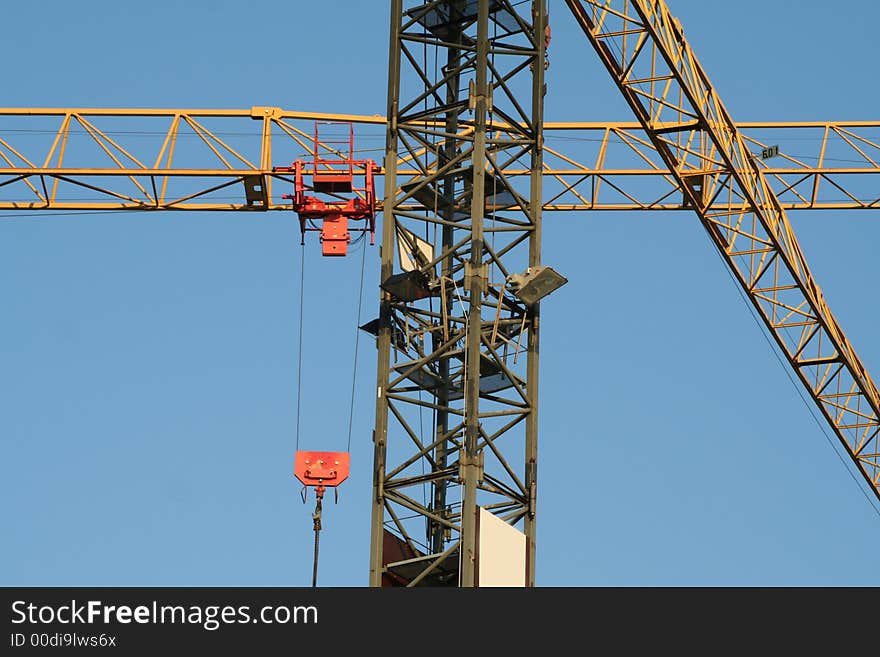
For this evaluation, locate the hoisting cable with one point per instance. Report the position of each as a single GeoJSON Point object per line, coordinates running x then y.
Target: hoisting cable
{"type": "Point", "coordinates": [302, 286]}
{"type": "Point", "coordinates": [797, 387]}
{"type": "Point", "coordinates": [319, 491]}
{"type": "Point", "coordinates": [323, 469]}
{"type": "Point", "coordinates": [357, 334]}
{"type": "Point", "coordinates": [316, 520]}
{"type": "Point", "coordinates": [318, 469]}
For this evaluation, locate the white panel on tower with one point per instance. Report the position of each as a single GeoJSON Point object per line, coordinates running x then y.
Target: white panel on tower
{"type": "Point", "coordinates": [501, 552]}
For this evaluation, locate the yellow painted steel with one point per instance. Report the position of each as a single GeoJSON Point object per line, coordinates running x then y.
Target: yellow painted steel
{"type": "Point", "coordinates": [218, 160]}
{"type": "Point", "coordinates": [644, 49]}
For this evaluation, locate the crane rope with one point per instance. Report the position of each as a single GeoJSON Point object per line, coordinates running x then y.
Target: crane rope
{"type": "Point", "coordinates": [357, 334]}
{"type": "Point", "coordinates": [316, 516]}
{"type": "Point", "coordinates": [798, 389]}
{"type": "Point", "coordinates": [316, 522]}
{"type": "Point", "coordinates": [320, 488]}
{"type": "Point", "coordinates": [302, 279]}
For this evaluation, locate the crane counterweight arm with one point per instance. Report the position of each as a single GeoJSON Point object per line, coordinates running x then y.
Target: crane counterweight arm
{"type": "Point", "coordinates": [643, 47]}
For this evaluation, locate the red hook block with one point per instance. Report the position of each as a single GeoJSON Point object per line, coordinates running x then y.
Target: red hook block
{"type": "Point", "coordinates": [322, 469]}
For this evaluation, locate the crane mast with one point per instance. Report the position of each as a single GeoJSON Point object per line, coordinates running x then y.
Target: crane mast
{"type": "Point", "coordinates": [453, 340]}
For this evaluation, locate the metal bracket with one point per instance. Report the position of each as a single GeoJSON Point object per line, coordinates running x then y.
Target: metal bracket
{"type": "Point", "coordinates": [480, 271]}
{"type": "Point", "coordinates": [259, 113]}
{"type": "Point", "coordinates": [471, 462]}
{"type": "Point", "coordinates": [473, 97]}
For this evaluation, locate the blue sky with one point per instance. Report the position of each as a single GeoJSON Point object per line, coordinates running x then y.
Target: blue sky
{"type": "Point", "coordinates": [148, 364]}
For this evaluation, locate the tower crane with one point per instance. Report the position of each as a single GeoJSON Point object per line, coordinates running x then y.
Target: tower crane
{"type": "Point", "coordinates": [467, 176]}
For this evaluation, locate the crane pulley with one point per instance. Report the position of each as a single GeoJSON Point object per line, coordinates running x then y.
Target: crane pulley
{"type": "Point", "coordinates": [333, 173]}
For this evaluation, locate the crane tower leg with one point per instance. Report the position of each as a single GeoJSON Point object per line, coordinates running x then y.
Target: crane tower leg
{"type": "Point", "coordinates": [456, 407]}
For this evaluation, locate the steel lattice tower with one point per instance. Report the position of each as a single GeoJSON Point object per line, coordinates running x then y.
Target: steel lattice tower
{"type": "Point", "coordinates": [457, 397]}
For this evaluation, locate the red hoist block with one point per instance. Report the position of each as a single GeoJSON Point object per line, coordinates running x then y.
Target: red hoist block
{"type": "Point", "coordinates": [322, 469]}
{"type": "Point", "coordinates": [334, 176]}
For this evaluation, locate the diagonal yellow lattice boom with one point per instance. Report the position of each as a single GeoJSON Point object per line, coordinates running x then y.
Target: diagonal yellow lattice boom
{"type": "Point", "coordinates": [643, 47]}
